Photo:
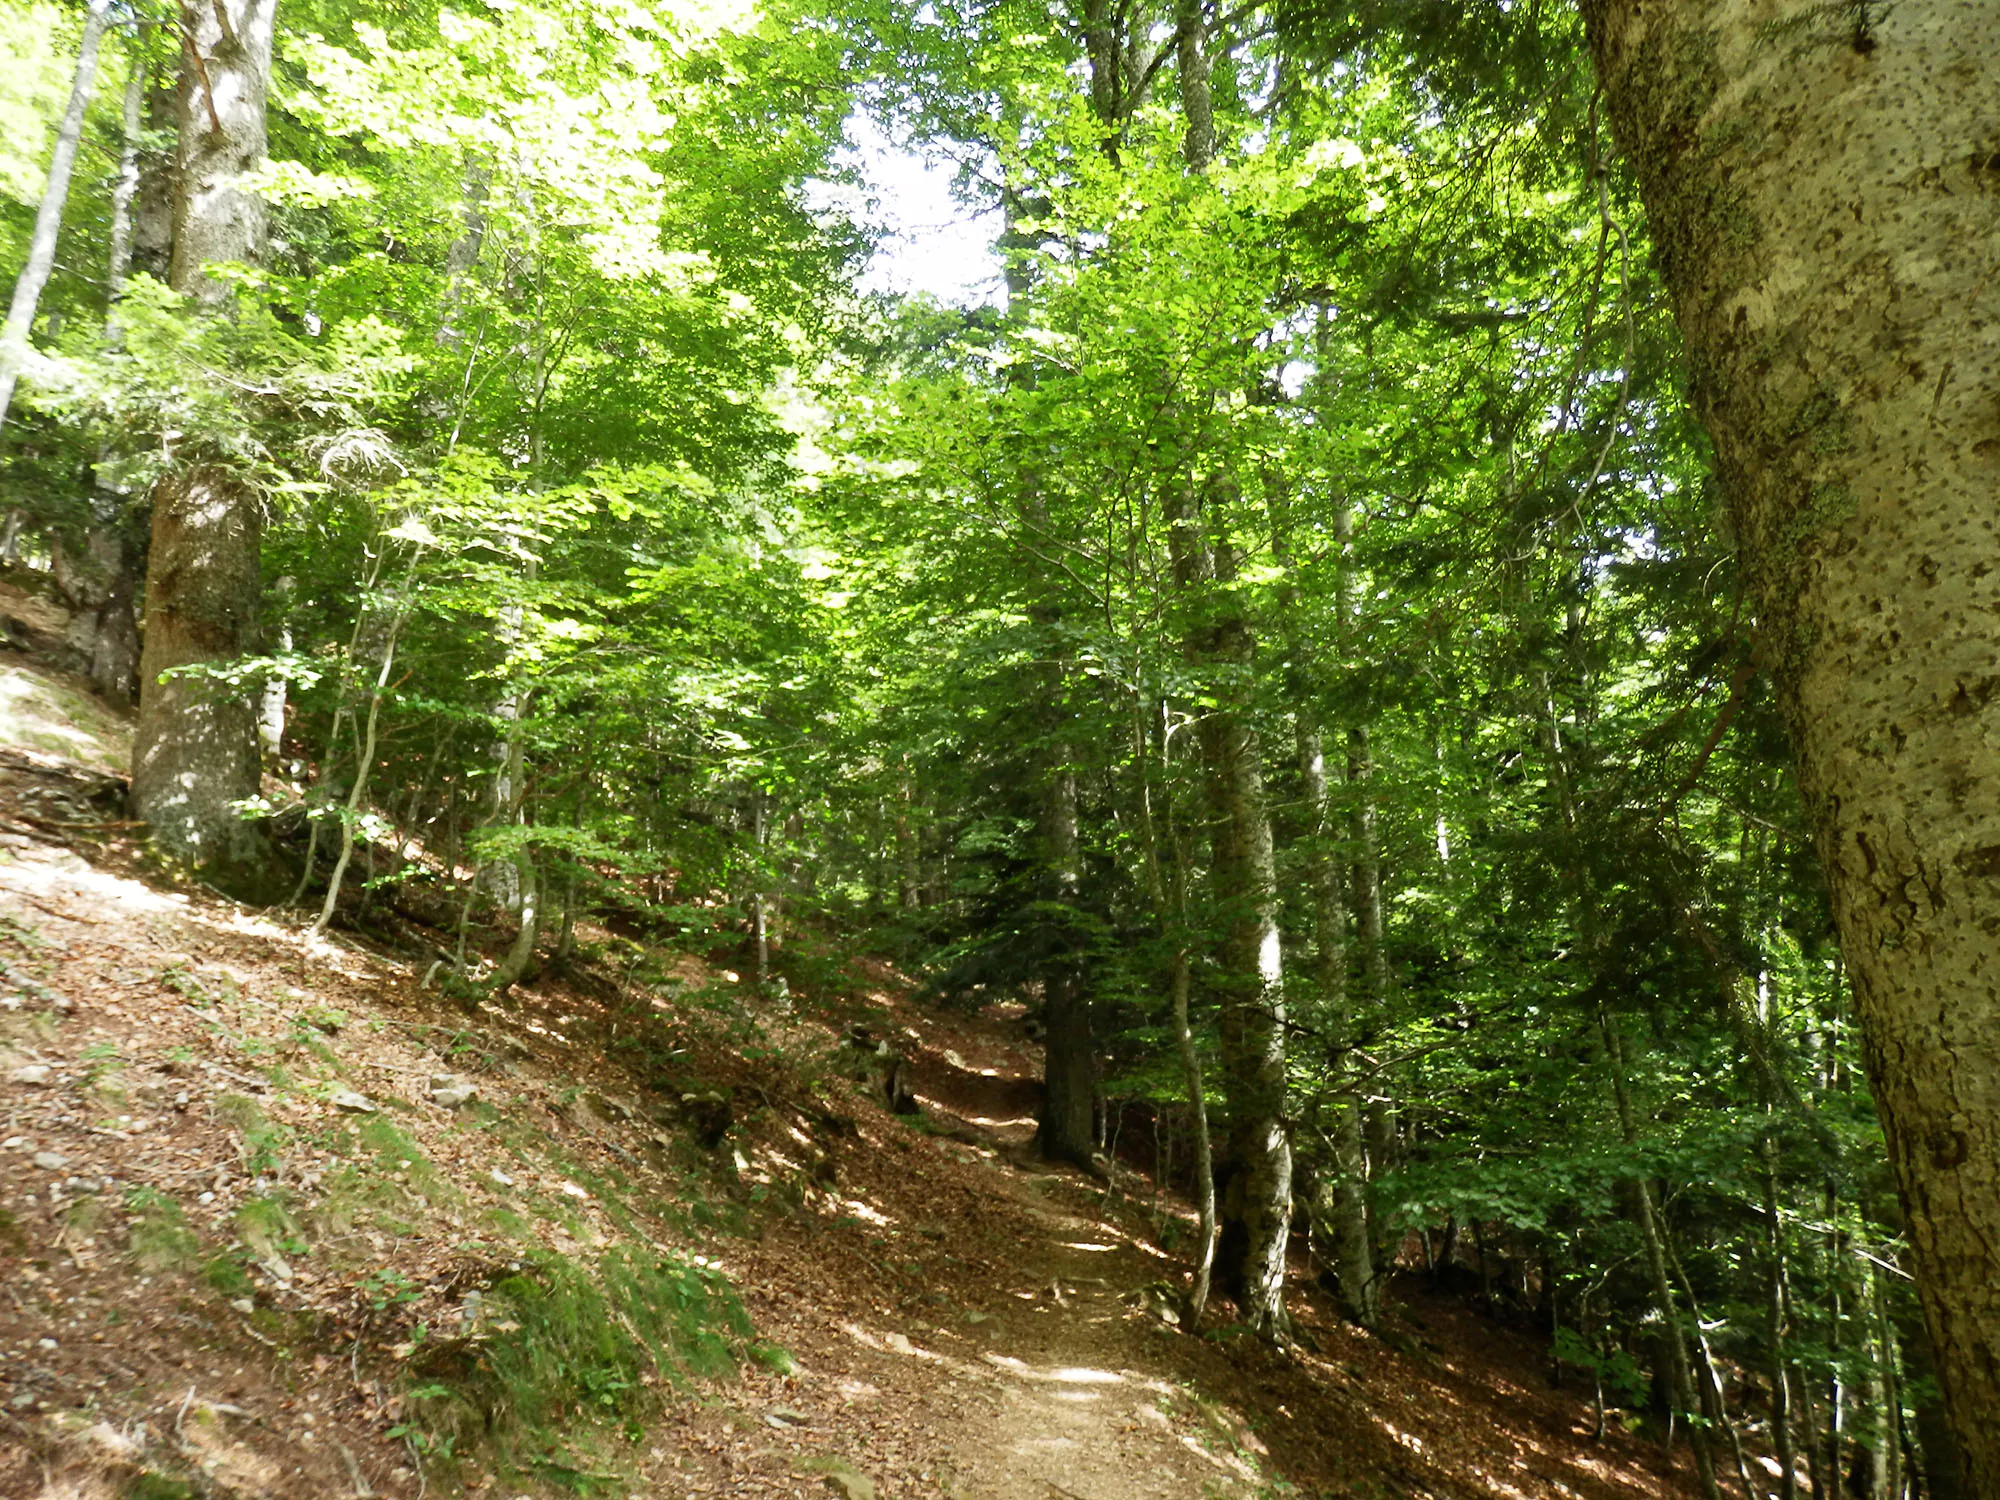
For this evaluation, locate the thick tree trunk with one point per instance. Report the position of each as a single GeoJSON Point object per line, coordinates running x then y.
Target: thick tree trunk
{"type": "Point", "coordinates": [195, 746]}
{"type": "Point", "coordinates": [1823, 184]}
{"type": "Point", "coordinates": [49, 216]}
{"type": "Point", "coordinates": [101, 581]}
{"type": "Point", "coordinates": [194, 750]}
{"type": "Point", "coordinates": [225, 74]}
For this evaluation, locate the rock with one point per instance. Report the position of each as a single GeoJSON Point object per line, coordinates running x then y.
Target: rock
{"type": "Point", "coordinates": [244, 1305]}
{"type": "Point", "coordinates": [452, 1092]}
{"type": "Point", "coordinates": [501, 1177]}
{"type": "Point", "coordinates": [33, 1073]}
{"type": "Point", "coordinates": [789, 1418]}
{"type": "Point", "coordinates": [708, 1117]}
{"type": "Point", "coordinates": [352, 1102]}
{"type": "Point", "coordinates": [852, 1484]}
{"type": "Point", "coordinates": [51, 1161]}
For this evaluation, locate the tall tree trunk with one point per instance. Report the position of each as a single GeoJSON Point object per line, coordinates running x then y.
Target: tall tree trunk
{"type": "Point", "coordinates": [118, 260]}
{"type": "Point", "coordinates": [1777, 1330]}
{"type": "Point", "coordinates": [49, 216]}
{"type": "Point", "coordinates": [102, 580]}
{"type": "Point", "coordinates": [1937, 1443]}
{"type": "Point", "coordinates": [1257, 1200]}
{"type": "Point", "coordinates": [1824, 188]}
{"type": "Point", "coordinates": [1344, 1215]}
{"type": "Point", "coordinates": [1167, 884]}
{"type": "Point", "coordinates": [1353, 1240]}
{"type": "Point", "coordinates": [195, 746]}
{"type": "Point", "coordinates": [1069, 1051]}
{"type": "Point", "coordinates": [1257, 1205]}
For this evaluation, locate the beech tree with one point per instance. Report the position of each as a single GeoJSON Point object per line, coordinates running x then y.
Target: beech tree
{"type": "Point", "coordinates": [195, 761]}
{"type": "Point", "coordinates": [1821, 184]}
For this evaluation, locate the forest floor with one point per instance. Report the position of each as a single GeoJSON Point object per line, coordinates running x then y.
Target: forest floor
{"type": "Point", "coordinates": [260, 1192]}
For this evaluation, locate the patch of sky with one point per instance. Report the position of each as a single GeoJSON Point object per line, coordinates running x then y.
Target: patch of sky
{"type": "Point", "coordinates": [930, 239]}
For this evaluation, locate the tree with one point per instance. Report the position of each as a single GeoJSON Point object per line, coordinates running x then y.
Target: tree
{"type": "Point", "coordinates": [48, 219]}
{"type": "Point", "coordinates": [194, 757]}
{"type": "Point", "coordinates": [1824, 189]}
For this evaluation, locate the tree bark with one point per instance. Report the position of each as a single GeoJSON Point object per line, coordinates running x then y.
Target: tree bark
{"type": "Point", "coordinates": [1823, 184]}
{"type": "Point", "coordinates": [195, 745]}
{"type": "Point", "coordinates": [1257, 1199]}
{"type": "Point", "coordinates": [225, 75]}
{"type": "Point", "coordinates": [41, 260]}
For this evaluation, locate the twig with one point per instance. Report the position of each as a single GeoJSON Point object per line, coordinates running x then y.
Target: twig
{"type": "Point", "coordinates": [361, 1489]}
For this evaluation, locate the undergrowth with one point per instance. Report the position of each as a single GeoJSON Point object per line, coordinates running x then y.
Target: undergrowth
{"type": "Point", "coordinates": [561, 1346]}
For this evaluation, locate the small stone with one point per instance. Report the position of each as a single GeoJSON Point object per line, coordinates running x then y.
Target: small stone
{"type": "Point", "coordinates": [45, 1344]}
{"type": "Point", "coordinates": [51, 1161]}
{"type": "Point", "coordinates": [501, 1177]}
{"type": "Point", "coordinates": [452, 1092]}
{"type": "Point", "coordinates": [33, 1073]}
{"type": "Point", "coordinates": [244, 1305]}
{"type": "Point", "coordinates": [206, 1198]}
{"type": "Point", "coordinates": [23, 1401]}
{"type": "Point", "coordinates": [13, 1143]}
{"type": "Point", "coordinates": [354, 1103]}
{"type": "Point", "coordinates": [784, 1416]}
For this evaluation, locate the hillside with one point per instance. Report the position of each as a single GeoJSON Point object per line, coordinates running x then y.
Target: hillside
{"type": "Point", "coordinates": [280, 1221]}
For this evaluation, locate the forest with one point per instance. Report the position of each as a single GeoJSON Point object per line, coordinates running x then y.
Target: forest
{"type": "Point", "coordinates": [1432, 622]}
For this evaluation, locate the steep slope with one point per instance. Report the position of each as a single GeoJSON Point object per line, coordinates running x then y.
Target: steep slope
{"type": "Point", "coordinates": [277, 1220]}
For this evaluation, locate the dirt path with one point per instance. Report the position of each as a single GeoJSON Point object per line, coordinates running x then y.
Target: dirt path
{"type": "Point", "coordinates": [1088, 1403]}
{"type": "Point", "coordinates": [1003, 1341]}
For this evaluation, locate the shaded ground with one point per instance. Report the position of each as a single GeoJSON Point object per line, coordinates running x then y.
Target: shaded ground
{"type": "Point", "coordinates": [246, 1219]}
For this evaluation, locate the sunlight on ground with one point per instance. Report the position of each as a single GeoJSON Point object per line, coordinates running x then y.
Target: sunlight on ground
{"type": "Point", "coordinates": [1065, 1375]}
{"type": "Point", "coordinates": [53, 873]}
{"type": "Point", "coordinates": [1086, 1245]}
{"type": "Point", "coordinates": [40, 714]}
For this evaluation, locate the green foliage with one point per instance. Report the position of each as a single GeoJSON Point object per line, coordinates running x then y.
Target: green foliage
{"type": "Point", "coordinates": [577, 1344]}
{"type": "Point", "coordinates": [158, 1236]}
